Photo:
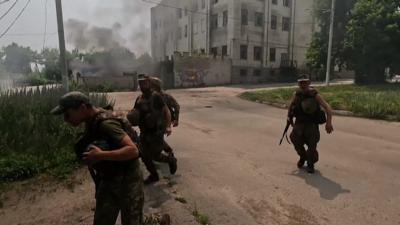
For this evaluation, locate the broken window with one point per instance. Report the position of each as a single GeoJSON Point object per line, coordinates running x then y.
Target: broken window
{"type": "Point", "coordinates": [243, 52]}
{"type": "Point", "coordinates": [274, 21]}
{"type": "Point", "coordinates": [272, 54]}
{"type": "Point", "coordinates": [259, 19]}
{"type": "Point", "coordinates": [257, 53]}
{"type": "Point", "coordinates": [285, 23]}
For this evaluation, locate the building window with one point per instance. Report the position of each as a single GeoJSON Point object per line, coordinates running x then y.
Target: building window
{"type": "Point", "coordinates": [179, 12]}
{"type": "Point", "coordinates": [257, 53]}
{"type": "Point", "coordinates": [259, 19]}
{"type": "Point", "coordinates": [285, 59]}
{"type": "Point", "coordinates": [215, 1]}
{"type": "Point", "coordinates": [285, 23]}
{"type": "Point", "coordinates": [186, 11]}
{"type": "Point", "coordinates": [224, 50]}
{"type": "Point", "coordinates": [203, 4]}
{"type": "Point", "coordinates": [256, 73]}
{"type": "Point", "coordinates": [272, 54]}
{"type": "Point", "coordinates": [243, 72]}
{"type": "Point", "coordinates": [214, 21]}
{"type": "Point", "coordinates": [244, 17]}
{"type": "Point", "coordinates": [225, 19]}
{"type": "Point", "coordinates": [214, 51]}
{"type": "Point", "coordinates": [274, 21]}
{"type": "Point", "coordinates": [179, 33]}
{"type": "Point", "coordinates": [286, 3]}
{"type": "Point", "coordinates": [275, 2]}
{"type": "Point", "coordinates": [243, 52]}
{"type": "Point", "coordinates": [186, 30]}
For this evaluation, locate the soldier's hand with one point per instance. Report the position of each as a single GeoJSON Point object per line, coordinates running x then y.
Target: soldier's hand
{"type": "Point", "coordinates": [329, 128]}
{"type": "Point", "coordinates": [168, 131]}
{"type": "Point", "coordinates": [93, 155]}
{"type": "Point", "coordinates": [290, 121]}
{"type": "Point", "coordinates": [175, 123]}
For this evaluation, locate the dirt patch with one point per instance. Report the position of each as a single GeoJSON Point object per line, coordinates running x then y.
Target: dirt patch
{"type": "Point", "coordinates": [279, 213]}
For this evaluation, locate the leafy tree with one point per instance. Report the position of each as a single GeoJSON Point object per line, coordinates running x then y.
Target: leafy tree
{"type": "Point", "coordinates": [318, 51]}
{"type": "Point", "coordinates": [18, 59]}
{"type": "Point", "coordinates": [373, 39]}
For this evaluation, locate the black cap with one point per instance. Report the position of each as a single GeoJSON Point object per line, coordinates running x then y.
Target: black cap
{"type": "Point", "coordinates": [70, 100]}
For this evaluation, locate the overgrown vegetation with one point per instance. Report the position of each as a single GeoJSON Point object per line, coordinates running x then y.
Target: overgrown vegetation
{"type": "Point", "coordinates": [200, 217]}
{"type": "Point", "coordinates": [371, 101]}
{"type": "Point", "coordinates": [31, 140]}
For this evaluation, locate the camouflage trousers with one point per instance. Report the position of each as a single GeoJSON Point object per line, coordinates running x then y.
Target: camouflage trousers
{"type": "Point", "coordinates": [306, 134]}
{"type": "Point", "coordinates": [119, 195]}
{"type": "Point", "coordinates": [152, 146]}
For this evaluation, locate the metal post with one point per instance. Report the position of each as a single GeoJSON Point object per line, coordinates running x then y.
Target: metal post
{"type": "Point", "coordinates": [61, 39]}
{"type": "Point", "coordinates": [328, 63]}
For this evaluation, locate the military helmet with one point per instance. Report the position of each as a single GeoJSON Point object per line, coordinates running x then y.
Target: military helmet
{"type": "Point", "coordinates": [133, 117]}
{"type": "Point", "coordinates": [309, 105]}
{"type": "Point", "coordinates": [156, 83]}
{"type": "Point", "coordinates": [142, 77]}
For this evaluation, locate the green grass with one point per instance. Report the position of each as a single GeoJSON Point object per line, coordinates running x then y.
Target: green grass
{"type": "Point", "coordinates": [31, 140]}
{"type": "Point", "coordinates": [370, 101]}
{"type": "Point", "coordinates": [200, 217]}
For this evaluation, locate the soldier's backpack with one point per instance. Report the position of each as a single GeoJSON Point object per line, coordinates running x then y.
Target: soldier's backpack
{"type": "Point", "coordinates": [307, 109]}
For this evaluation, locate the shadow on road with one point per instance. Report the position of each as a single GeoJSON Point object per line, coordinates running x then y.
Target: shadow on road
{"type": "Point", "coordinates": [328, 189]}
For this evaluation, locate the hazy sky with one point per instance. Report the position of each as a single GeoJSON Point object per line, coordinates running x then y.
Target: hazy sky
{"type": "Point", "coordinates": [128, 19]}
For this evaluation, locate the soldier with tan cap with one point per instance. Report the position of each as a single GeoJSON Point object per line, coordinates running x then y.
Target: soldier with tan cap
{"type": "Point", "coordinates": [154, 121]}
{"type": "Point", "coordinates": [173, 107]}
{"type": "Point", "coordinates": [306, 108]}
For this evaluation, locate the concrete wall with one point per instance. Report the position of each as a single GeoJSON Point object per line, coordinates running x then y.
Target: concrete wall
{"type": "Point", "coordinates": [197, 71]}
{"type": "Point", "coordinates": [303, 30]}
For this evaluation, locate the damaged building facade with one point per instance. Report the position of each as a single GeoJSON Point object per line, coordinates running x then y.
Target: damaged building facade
{"type": "Point", "coordinates": [260, 37]}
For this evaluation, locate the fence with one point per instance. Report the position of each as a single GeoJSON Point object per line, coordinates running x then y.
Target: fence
{"type": "Point", "coordinates": [6, 85]}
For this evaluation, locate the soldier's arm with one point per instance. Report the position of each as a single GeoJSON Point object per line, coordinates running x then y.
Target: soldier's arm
{"type": "Point", "coordinates": [167, 116]}
{"type": "Point", "coordinates": [127, 149]}
{"type": "Point", "coordinates": [329, 112]}
{"type": "Point", "coordinates": [177, 108]}
{"type": "Point", "coordinates": [327, 108]}
{"type": "Point", "coordinates": [290, 108]}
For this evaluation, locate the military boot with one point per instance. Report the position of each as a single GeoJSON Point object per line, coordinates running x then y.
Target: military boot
{"type": "Point", "coordinates": [152, 178]}
{"type": "Point", "coordinates": [173, 165]}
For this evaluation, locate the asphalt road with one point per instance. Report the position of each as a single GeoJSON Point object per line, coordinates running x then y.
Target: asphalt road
{"type": "Point", "coordinates": [231, 167]}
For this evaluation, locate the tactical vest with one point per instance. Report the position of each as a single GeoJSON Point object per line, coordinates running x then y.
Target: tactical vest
{"type": "Point", "coordinates": [151, 121]}
{"type": "Point", "coordinates": [306, 107]}
{"type": "Point", "coordinates": [107, 169]}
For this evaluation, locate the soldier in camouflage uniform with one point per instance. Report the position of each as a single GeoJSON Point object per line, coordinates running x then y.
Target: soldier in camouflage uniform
{"type": "Point", "coordinates": [173, 107]}
{"type": "Point", "coordinates": [305, 107]}
{"type": "Point", "coordinates": [154, 121]}
{"type": "Point", "coordinates": [112, 157]}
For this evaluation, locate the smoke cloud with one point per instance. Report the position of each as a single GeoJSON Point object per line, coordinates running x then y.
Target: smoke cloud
{"type": "Point", "coordinates": [120, 23]}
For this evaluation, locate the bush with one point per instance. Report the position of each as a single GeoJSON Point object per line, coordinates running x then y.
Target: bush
{"type": "Point", "coordinates": [36, 79]}
{"type": "Point", "coordinates": [31, 140]}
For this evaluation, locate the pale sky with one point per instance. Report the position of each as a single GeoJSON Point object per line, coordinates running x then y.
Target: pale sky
{"type": "Point", "coordinates": [132, 15]}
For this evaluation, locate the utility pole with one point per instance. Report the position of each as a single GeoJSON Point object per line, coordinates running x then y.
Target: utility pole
{"type": "Point", "coordinates": [328, 63]}
{"type": "Point", "coordinates": [61, 40]}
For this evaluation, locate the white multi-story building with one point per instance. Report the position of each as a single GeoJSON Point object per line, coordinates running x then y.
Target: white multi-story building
{"type": "Point", "coordinates": [259, 36]}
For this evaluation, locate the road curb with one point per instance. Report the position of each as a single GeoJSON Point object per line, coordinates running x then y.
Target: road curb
{"type": "Point", "coordinates": [284, 106]}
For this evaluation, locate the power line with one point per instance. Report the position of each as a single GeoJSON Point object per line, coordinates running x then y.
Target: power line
{"type": "Point", "coordinates": [206, 13]}
{"type": "Point", "coordinates": [45, 24]}
{"type": "Point", "coordinates": [15, 20]}
{"type": "Point", "coordinates": [4, 1]}
{"type": "Point", "coordinates": [30, 34]}
{"type": "Point", "coordinates": [8, 11]}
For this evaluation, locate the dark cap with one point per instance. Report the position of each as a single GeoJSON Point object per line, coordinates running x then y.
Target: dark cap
{"type": "Point", "coordinates": [303, 77]}
{"type": "Point", "coordinates": [69, 101]}
{"type": "Point", "coordinates": [143, 77]}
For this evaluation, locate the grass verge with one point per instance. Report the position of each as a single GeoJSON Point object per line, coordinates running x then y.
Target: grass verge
{"type": "Point", "coordinates": [370, 101]}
